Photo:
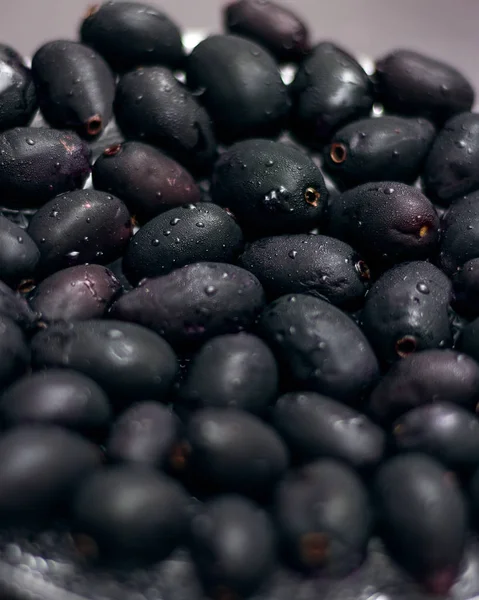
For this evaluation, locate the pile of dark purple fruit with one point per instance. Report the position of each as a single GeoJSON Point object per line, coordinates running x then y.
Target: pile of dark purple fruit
{"type": "Point", "coordinates": [271, 370]}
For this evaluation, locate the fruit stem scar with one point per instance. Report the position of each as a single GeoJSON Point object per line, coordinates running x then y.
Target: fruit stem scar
{"type": "Point", "coordinates": [406, 345]}
{"type": "Point", "coordinates": [112, 150]}
{"type": "Point", "coordinates": [363, 269]}
{"type": "Point", "coordinates": [314, 548]}
{"type": "Point", "coordinates": [338, 153]}
{"type": "Point", "coordinates": [94, 125]}
{"type": "Point", "coordinates": [423, 231]}
{"type": "Point", "coordinates": [312, 196]}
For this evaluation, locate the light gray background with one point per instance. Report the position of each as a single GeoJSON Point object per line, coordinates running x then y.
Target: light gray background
{"type": "Point", "coordinates": [446, 29]}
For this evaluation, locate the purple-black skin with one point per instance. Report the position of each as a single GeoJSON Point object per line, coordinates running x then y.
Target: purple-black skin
{"type": "Point", "coordinates": [80, 227]}
{"type": "Point", "coordinates": [194, 303]}
{"type": "Point", "coordinates": [40, 163]}
{"type": "Point", "coordinates": [466, 289]}
{"type": "Point", "coordinates": [330, 90]}
{"type": "Point", "coordinates": [14, 351]}
{"type": "Point", "coordinates": [148, 181]}
{"type": "Point", "coordinates": [422, 519]}
{"type": "Point", "coordinates": [410, 83]}
{"type": "Point", "coordinates": [167, 116]}
{"type": "Point", "coordinates": [270, 24]}
{"type": "Point", "coordinates": [18, 100]}
{"type": "Point", "coordinates": [131, 34]}
{"type": "Point", "coordinates": [75, 87]}
{"type": "Point", "coordinates": [451, 166]}
{"type": "Point", "coordinates": [14, 306]}
{"type": "Point", "coordinates": [19, 255]}
{"type": "Point", "coordinates": [57, 397]}
{"type": "Point", "coordinates": [40, 468]}
{"type": "Point", "coordinates": [423, 378]}
{"type": "Point", "coordinates": [75, 294]}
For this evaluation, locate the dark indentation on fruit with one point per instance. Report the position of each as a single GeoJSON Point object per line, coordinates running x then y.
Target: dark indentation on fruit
{"type": "Point", "coordinates": [312, 196]}
{"type": "Point", "coordinates": [338, 153]}
{"type": "Point", "coordinates": [314, 549]}
{"type": "Point", "coordinates": [94, 125]}
{"type": "Point", "coordinates": [406, 346]}
{"type": "Point", "coordinates": [26, 286]}
{"type": "Point", "coordinates": [363, 270]}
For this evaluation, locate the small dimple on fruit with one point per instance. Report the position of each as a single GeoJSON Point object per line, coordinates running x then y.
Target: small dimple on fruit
{"type": "Point", "coordinates": [338, 153]}
{"type": "Point", "coordinates": [406, 346]}
{"type": "Point", "coordinates": [312, 196]}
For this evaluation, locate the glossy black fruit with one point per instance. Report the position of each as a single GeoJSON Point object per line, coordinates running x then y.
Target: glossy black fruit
{"type": "Point", "coordinates": [234, 546]}
{"type": "Point", "coordinates": [411, 83]}
{"type": "Point", "coordinates": [270, 187]}
{"type": "Point", "coordinates": [232, 451]}
{"type": "Point", "coordinates": [236, 371]}
{"type": "Point", "coordinates": [240, 85]}
{"type": "Point", "coordinates": [323, 517]}
{"type": "Point", "coordinates": [39, 163]}
{"type": "Point", "coordinates": [18, 100]}
{"type": "Point", "coordinates": [13, 306]}
{"type": "Point", "coordinates": [14, 352]}
{"type": "Point", "coordinates": [126, 360]}
{"type": "Point", "coordinates": [130, 34]}
{"type": "Point", "coordinates": [451, 167]}
{"type": "Point", "coordinates": [315, 426]}
{"type": "Point", "coordinates": [466, 289]}
{"type": "Point", "coordinates": [330, 90]}
{"type": "Point", "coordinates": [40, 467]}
{"type": "Point", "coordinates": [315, 264]}
{"type": "Point", "coordinates": [422, 519]}
{"type": "Point", "coordinates": [319, 347]}
{"type": "Point", "coordinates": [153, 106]}
{"type": "Point", "coordinates": [75, 294]}
{"type": "Point", "coordinates": [57, 397]}
{"type": "Point", "coordinates": [75, 87]}
{"type": "Point", "coordinates": [442, 430]}
{"type": "Point", "coordinates": [407, 310]}
{"type": "Point", "coordinates": [388, 222]}
{"type": "Point", "coordinates": [144, 434]}
{"type": "Point", "coordinates": [194, 303]}
{"type": "Point", "coordinates": [425, 377]}
{"type": "Point", "coordinates": [19, 254]}
{"type": "Point", "coordinates": [80, 227]}
{"type": "Point", "coordinates": [148, 181]}
{"type": "Point", "coordinates": [459, 234]}
{"type": "Point", "coordinates": [390, 148]}
{"type": "Point", "coordinates": [183, 236]}
{"type": "Point", "coordinates": [271, 25]}
{"type": "Point", "coordinates": [128, 516]}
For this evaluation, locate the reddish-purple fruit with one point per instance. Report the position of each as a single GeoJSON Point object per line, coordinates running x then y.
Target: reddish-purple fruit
{"type": "Point", "coordinates": [40, 163]}
{"type": "Point", "coordinates": [148, 181]}
{"type": "Point", "coordinates": [80, 227]}
{"type": "Point", "coordinates": [271, 25]}
{"type": "Point", "coordinates": [75, 294]}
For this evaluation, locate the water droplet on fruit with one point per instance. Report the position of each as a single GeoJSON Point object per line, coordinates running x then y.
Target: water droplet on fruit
{"type": "Point", "coordinates": [114, 334]}
{"type": "Point", "coordinates": [20, 239]}
{"type": "Point", "coordinates": [155, 242]}
{"type": "Point", "coordinates": [269, 163]}
{"type": "Point", "coordinates": [30, 142]}
{"type": "Point", "coordinates": [174, 221]}
{"type": "Point", "coordinates": [292, 253]}
{"type": "Point", "coordinates": [54, 214]}
{"type": "Point", "coordinates": [461, 144]}
{"type": "Point", "coordinates": [389, 191]}
{"type": "Point", "coordinates": [210, 290]}
{"type": "Point", "coordinates": [73, 254]}
{"type": "Point", "coordinates": [167, 232]}
{"type": "Point", "coordinates": [422, 288]}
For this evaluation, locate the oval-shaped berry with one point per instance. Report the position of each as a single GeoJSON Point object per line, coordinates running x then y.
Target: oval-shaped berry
{"type": "Point", "coordinates": [18, 100]}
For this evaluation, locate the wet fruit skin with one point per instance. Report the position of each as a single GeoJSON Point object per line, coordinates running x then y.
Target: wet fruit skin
{"type": "Point", "coordinates": [323, 517]}
{"type": "Point", "coordinates": [422, 378]}
{"type": "Point", "coordinates": [233, 451]}
{"type": "Point", "coordinates": [18, 100]}
{"type": "Point", "coordinates": [459, 237]}
{"type": "Point", "coordinates": [389, 148]}
{"type": "Point", "coordinates": [130, 35]}
{"type": "Point", "coordinates": [39, 164]}
{"type": "Point", "coordinates": [40, 466]}
{"type": "Point", "coordinates": [330, 90]}
{"type": "Point", "coordinates": [237, 371]}
{"type": "Point", "coordinates": [148, 181]}
{"type": "Point", "coordinates": [407, 310]}
{"type": "Point", "coordinates": [14, 352]}
{"type": "Point", "coordinates": [315, 426]}
{"type": "Point", "coordinates": [444, 431]}
{"type": "Point", "coordinates": [319, 347]}
{"type": "Point", "coordinates": [75, 87]}
{"type": "Point", "coordinates": [466, 289]}
{"type": "Point", "coordinates": [19, 254]}
{"type": "Point", "coordinates": [152, 106]}
{"type": "Point", "coordinates": [144, 434]}
{"type": "Point", "coordinates": [14, 307]}
{"type": "Point", "coordinates": [315, 264]}
{"type": "Point", "coordinates": [270, 187]}
{"type": "Point", "coordinates": [240, 85]}
{"type": "Point", "coordinates": [411, 83]}
{"type": "Point", "coordinates": [469, 340]}
{"type": "Point", "coordinates": [271, 25]}
{"type": "Point", "coordinates": [133, 516]}
{"type": "Point", "coordinates": [451, 167]}
{"type": "Point", "coordinates": [194, 303]}
{"type": "Point", "coordinates": [126, 360]}
{"type": "Point", "coordinates": [422, 519]}
{"type": "Point", "coordinates": [77, 293]}
{"type": "Point", "coordinates": [234, 545]}
{"type": "Point", "coordinates": [80, 227]}
{"type": "Point", "coordinates": [387, 222]}
{"type": "Point", "coordinates": [182, 236]}
{"type": "Point", "coordinates": [56, 397]}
